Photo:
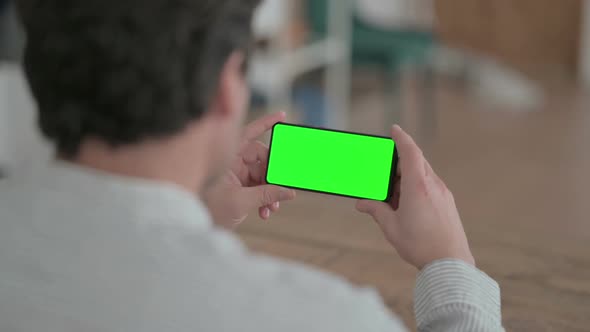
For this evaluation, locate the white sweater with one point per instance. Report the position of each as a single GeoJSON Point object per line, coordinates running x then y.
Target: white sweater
{"type": "Point", "coordinates": [86, 251]}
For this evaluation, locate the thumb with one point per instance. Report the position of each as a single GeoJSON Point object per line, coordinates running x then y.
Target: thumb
{"type": "Point", "coordinates": [380, 211]}
{"type": "Point", "coordinates": [266, 195]}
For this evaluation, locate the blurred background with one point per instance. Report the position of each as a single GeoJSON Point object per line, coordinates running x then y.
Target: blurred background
{"type": "Point", "coordinates": [495, 92]}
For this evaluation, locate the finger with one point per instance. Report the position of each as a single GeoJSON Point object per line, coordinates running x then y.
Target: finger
{"type": "Point", "coordinates": [428, 168]}
{"type": "Point", "coordinates": [265, 195]}
{"type": "Point", "coordinates": [411, 158]}
{"type": "Point", "coordinates": [432, 174]}
{"type": "Point", "coordinates": [262, 125]}
{"type": "Point", "coordinates": [256, 175]}
{"type": "Point", "coordinates": [380, 211]}
{"type": "Point", "coordinates": [396, 194]}
{"type": "Point", "coordinates": [255, 157]}
{"type": "Point", "coordinates": [255, 152]}
{"type": "Point", "coordinates": [264, 212]}
{"type": "Point", "coordinates": [274, 207]}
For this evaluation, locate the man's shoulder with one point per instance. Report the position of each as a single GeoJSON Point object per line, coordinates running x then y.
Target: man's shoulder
{"type": "Point", "coordinates": [15, 193]}
{"type": "Point", "coordinates": [119, 259]}
{"type": "Point", "coordinates": [283, 293]}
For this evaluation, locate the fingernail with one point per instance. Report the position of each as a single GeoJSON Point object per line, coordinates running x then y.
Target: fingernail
{"type": "Point", "coordinates": [276, 205]}
{"type": "Point", "coordinates": [266, 213]}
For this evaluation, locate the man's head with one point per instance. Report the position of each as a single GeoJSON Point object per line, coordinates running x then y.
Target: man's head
{"type": "Point", "coordinates": [126, 72]}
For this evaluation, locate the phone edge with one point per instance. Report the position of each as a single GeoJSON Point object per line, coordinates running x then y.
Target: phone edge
{"type": "Point", "coordinates": [392, 174]}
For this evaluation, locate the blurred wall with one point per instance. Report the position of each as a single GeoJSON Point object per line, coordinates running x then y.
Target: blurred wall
{"type": "Point", "coordinates": [584, 69]}
{"type": "Point", "coordinates": [534, 36]}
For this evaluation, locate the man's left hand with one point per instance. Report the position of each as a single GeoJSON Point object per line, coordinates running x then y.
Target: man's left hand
{"type": "Point", "coordinates": [243, 187]}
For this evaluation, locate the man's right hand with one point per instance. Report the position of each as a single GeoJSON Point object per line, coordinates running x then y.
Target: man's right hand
{"type": "Point", "coordinates": [421, 221]}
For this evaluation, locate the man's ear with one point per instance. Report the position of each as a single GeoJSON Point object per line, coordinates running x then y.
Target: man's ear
{"type": "Point", "coordinates": [231, 94]}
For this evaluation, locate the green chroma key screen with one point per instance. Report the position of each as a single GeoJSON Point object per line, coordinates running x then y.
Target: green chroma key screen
{"type": "Point", "coordinates": [333, 162]}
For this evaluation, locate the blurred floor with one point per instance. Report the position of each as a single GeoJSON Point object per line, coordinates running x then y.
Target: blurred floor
{"type": "Point", "coordinates": [520, 180]}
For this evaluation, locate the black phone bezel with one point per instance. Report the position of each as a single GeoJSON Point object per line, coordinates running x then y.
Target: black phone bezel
{"type": "Point", "coordinates": [392, 174]}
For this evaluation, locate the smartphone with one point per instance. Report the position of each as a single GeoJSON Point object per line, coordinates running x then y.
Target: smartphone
{"type": "Point", "coordinates": [332, 162]}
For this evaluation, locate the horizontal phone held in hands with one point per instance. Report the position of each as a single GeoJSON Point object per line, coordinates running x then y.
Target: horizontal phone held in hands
{"type": "Point", "coordinates": [332, 162]}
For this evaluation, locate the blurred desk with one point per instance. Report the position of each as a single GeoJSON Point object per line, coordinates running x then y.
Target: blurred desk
{"type": "Point", "coordinates": [521, 182]}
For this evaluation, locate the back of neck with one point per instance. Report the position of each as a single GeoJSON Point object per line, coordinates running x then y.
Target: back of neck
{"type": "Point", "coordinates": [165, 161]}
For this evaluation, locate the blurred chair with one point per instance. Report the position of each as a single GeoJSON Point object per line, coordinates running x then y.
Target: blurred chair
{"type": "Point", "coordinates": [390, 50]}
{"type": "Point", "coordinates": [274, 70]}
